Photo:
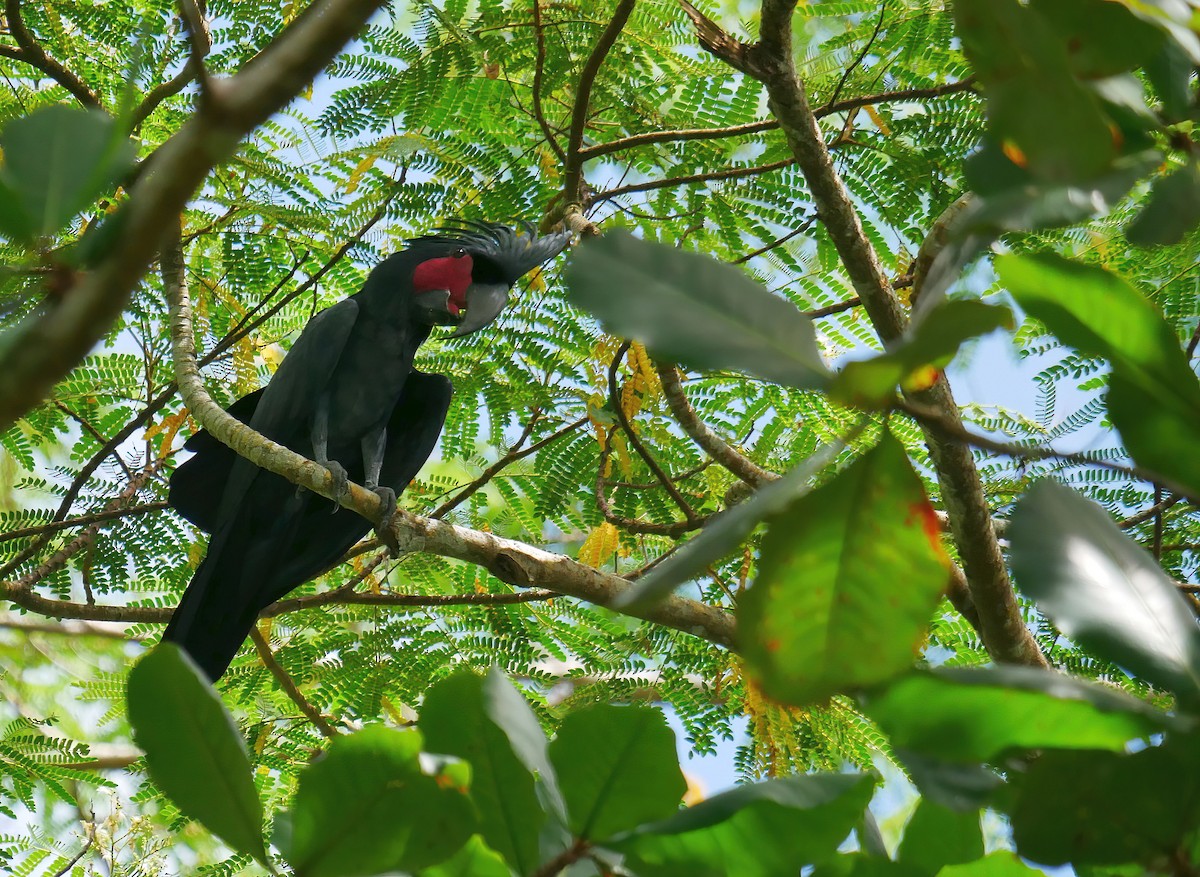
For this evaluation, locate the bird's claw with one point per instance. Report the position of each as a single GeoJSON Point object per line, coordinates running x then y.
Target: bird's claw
{"type": "Point", "coordinates": [384, 528]}
{"type": "Point", "coordinates": [341, 482]}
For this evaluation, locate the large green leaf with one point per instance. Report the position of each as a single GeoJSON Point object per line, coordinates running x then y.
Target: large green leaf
{"type": "Point", "coordinates": [977, 715]}
{"type": "Point", "coordinates": [487, 723]}
{"type": "Point", "coordinates": [730, 528]}
{"type": "Point", "coordinates": [692, 309]}
{"type": "Point", "coordinates": [617, 769]}
{"type": "Point", "coordinates": [936, 836]}
{"type": "Point", "coordinates": [762, 830]}
{"type": "Point", "coordinates": [193, 749]}
{"type": "Point", "coordinates": [1172, 211]}
{"type": "Point", "coordinates": [1102, 590]}
{"type": "Point", "coordinates": [59, 158]}
{"type": "Point", "coordinates": [1154, 397]}
{"type": "Point", "coordinates": [826, 612]}
{"type": "Point", "coordinates": [369, 806]}
{"type": "Point", "coordinates": [929, 344]}
{"type": "Point", "coordinates": [1100, 39]}
{"type": "Point", "coordinates": [1035, 104]}
{"type": "Point", "coordinates": [1103, 808]}
{"type": "Point", "coordinates": [475, 859]}
{"type": "Point", "coordinates": [997, 864]}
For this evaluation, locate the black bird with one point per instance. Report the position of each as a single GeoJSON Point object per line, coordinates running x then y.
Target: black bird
{"type": "Point", "coordinates": [347, 396]}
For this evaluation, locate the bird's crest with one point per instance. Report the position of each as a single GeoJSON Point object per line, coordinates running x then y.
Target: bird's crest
{"type": "Point", "coordinates": [515, 252]}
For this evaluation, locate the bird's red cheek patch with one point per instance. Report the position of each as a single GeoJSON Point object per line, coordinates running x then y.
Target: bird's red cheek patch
{"type": "Point", "coordinates": [452, 273]}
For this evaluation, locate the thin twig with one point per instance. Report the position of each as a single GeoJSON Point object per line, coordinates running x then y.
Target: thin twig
{"type": "Point", "coordinates": [573, 173]}
{"type": "Point", "coordinates": [736, 173]}
{"type": "Point", "coordinates": [33, 54]}
{"type": "Point", "coordinates": [288, 684]}
{"type": "Point", "coordinates": [514, 453]}
{"type": "Point", "coordinates": [539, 70]}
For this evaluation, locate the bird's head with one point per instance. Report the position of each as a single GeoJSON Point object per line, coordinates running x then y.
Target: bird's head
{"type": "Point", "coordinates": [465, 278]}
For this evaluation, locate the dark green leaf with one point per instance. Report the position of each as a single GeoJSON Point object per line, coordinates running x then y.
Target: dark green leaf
{"type": "Point", "coordinates": [59, 158]}
{"type": "Point", "coordinates": [863, 865]}
{"type": "Point", "coordinates": [825, 613]}
{"type": "Point", "coordinates": [1102, 590]}
{"type": "Point", "coordinates": [1103, 808]}
{"type": "Point", "coordinates": [929, 344]}
{"type": "Point", "coordinates": [1170, 72]}
{"type": "Point", "coordinates": [729, 529]}
{"type": "Point", "coordinates": [998, 864]}
{"type": "Point", "coordinates": [1035, 104]}
{"type": "Point", "coordinates": [472, 718]}
{"type": "Point", "coordinates": [367, 806]}
{"type": "Point", "coordinates": [15, 223]}
{"type": "Point", "coordinates": [1172, 211]}
{"type": "Point", "coordinates": [960, 787]}
{"type": "Point", "coordinates": [690, 308]}
{"type": "Point", "coordinates": [193, 749]}
{"type": "Point", "coordinates": [763, 830]}
{"type": "Point", "coordinates": [475, 859]}
{"type": "Point", "coordinates": [937, 836]}
{"type": "Point", "coordinates": [1152, 383]}
{"type": "Point", "coordinates": [617, 769]}
{"type": "Point", "coordinates": [981, 714]}
{"type": "Point", "coordinates": [1100, 39]}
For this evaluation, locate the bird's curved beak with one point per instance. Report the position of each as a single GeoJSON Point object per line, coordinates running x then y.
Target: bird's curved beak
{"type": "Point", "coordinates": [485, 301]}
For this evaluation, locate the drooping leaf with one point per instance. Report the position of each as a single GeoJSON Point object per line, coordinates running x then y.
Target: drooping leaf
{"type": "Point", "coordinates": [369, 806]}
{"type": "Point", "coordinates": [617, 769]}
{"type": "Point", "coordinates": [976, 715]}
{"type": "Point", "coordinates": [1100, 39]}
{"type": "Point", "coordinates": [957, 786]}
{"type": "Point", "coordinates": [998, 864]}
{"type": "Point", "coordinates": [937, 836]}
{"type": "Point", "coordinates": [825, 613]}
{"type": "Point", "coordinates": [1172, 211]}
{"type": "Point", "coordinates": [690, 308]}
{"type": "Point", "coordinates": [729, 529]}
{"type": "Point", "coordinates": [1102, 590]}
{"type": "Point", "coordinates": [1154, 397]}
{"type": "Point", "coordinates": [193, 749]}
{"type": "Point", "coordinates": [475, 859]}
{"type": "Point", "coordinates": [476, 720]}
{"type": "Point", "coordinates": [929, 344]}
{"type": "Point", "coordinates": [58, 158]}
{"type": "Point", "coordinates": [763, 830]}
{"type": "Point", "coordinates": [1089, 807]}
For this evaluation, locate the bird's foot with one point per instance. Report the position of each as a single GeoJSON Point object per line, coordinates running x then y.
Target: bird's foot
{"type": "Point", "coordinates": [384, 528]}
{"type": "Point", "coordinates": [341, 482]}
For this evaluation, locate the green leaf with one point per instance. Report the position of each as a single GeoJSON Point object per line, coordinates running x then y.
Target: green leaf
{"type": "Point", "coordinates": [368, 806]}
{"type": "Point", "coordinates": [936, 836]}
{"type": "Point", "coordinates": [930, 343]}
{"type": "Point", "coordinates": [1034, 102]}
{"type": "Point", "coordinates": [1102, 590]}
{"type": "Point", "coordinates": [488, 724]}
{"type": "Point", "coordinates": [1103, 808]}
{"type": "Point", "coordinates": [729, 529]}
{"type": "Point", "coordinates": [1100, 39]}
{"type": "Point", "coordinates": [960, 787]}
{"type": "Point", "coordinates": [1172, 211]}
{"type": "Point", "coordinates": [762, 830]}
{"type": "Point", "coordinates": [617, 768]}
{"type": "Point", "coordinates": [692, 309]}
{"type": "Point", "coordinates": [981, 714]}
{"type": "Point", "coordinates": [15, 223]}
{"type": "Point", "coordinates": [59, 158]}
{"type": "Point", "coordinates": [997, 864]}
{"type": "Point", "coordinates": [193, 749]}
{"type": "Point", "coordinates": [825, 614]}
{"type": "Point", "coordinates": [1154, 397]}
{"type": "Point", "coordinates": [475, 859]}
{"type": "Point", "coordinates": [1170, 72]}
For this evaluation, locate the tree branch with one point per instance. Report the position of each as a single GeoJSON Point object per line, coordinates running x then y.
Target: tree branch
{"type": "Point", "coordinates": [288, 684]}
{"type": "Point", "coordinates": [539, 71]}
{"type": "Point", "coordinates": [771, 62]}
{"type": "Point", "coordinates": [727, 174]}
{"type": "Point", "coordinates": [573, 173]}
{"type": "Point", "coordinates": [34, 55]}
{"type": "Point", "coordinates": [46, 346]}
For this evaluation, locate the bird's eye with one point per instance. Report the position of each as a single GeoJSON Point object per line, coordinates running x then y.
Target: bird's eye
{"type": "Point", "coordinates": [459, 253]}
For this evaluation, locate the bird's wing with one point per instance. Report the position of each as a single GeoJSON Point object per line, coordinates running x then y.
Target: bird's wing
{"type": "Point", "coordinates": [197, 484]}
{"type": "Point", "coordinates": [280, 538]}
{"type": "Point", "coordinates": [285, 411]}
